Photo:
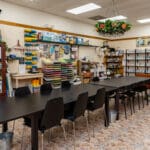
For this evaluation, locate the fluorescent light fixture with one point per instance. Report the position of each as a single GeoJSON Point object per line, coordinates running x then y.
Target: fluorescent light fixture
{"type": "Point", "coordinates": [83, 8]}
{"type": "Point", "coordinates": [120, 17]}
{"type": "Point", "coordinates": [147, 20]}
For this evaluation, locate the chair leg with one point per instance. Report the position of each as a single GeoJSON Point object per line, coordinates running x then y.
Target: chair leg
{"type": "Point", "coordinates": [87, 124]}
{"type": "Point", "coordinates": [142, 99]}
{"type": "Point", "coordinates": [22, 138]}
{"type": "Point", "coordinates": [133, 100]}
{"type": "Point", "coordinates": [138, 101]}
{"type": "Point", "coordinates": [49, 137]}
{"type": "Point", "coordinates": [74, 135]}
{"type": "Point", "coordinates": [13, 128]}
{"type": "Point", "coordinates": [64, 131]}
{"type": "Point", "coordinates": [42, 141]}
{"type": "Point", "coordinates": [146, 95]}
{"type": "Point", "coordinates": [124, 103]}
{"type": "Point", "coordinates": [105, 117]}
{"type": "Point", "coordinates": [130, 103]}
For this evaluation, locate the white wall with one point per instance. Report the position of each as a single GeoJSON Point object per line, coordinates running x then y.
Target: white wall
{"type": "Point", "coordinates": [124, 44]}
{"type": "Point", "coordinates": [18, 14]}
{"type": "Point", "coordinates": [15, 13]}
{"type": "Point", "coordinates": [136, 31]}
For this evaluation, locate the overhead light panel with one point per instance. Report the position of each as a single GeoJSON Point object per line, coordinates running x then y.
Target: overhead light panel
{"type": "Point", "coordinates": [147, 20]}
{"type": "Point", "coordinates": [120, 17]}
{"type": "Point", "coordinates": [83, 8]}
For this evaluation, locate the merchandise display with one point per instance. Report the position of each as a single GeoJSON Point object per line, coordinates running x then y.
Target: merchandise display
{"type": "Point", "coordinates": [58, 72]}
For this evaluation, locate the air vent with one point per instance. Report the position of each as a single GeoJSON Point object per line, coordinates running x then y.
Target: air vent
{"type": "Point", "coordinates": [98, 17]}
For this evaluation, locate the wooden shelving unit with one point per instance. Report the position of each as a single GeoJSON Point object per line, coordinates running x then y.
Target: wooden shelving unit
{"type": "Point", "coordinates": [3, 69]}
{"type": "Point", "coordinates": [113, 64]}
{"type": "Point", "coordinates": [84, 70]}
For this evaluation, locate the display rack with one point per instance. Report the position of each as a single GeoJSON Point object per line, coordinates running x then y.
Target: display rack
{"type": "Point", "coordinates": [137, 62]}
{"type": "Point", "coordinates": [31, 59]}
{"type": "Point", "coordinates": [57, 72]}
{"type": "Point", "coordinates": [3, 69]}
{"type": "Point", "coordinates": [52, 73]}
{"type": "Point", "coordinates": [113, 63]}
{"type": "Point", "coordinates": [66, 71]}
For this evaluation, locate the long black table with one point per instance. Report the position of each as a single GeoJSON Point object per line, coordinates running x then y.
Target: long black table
{"type": "Point", "coordinates": [122, 83]}
{"type": "Point", "coordinates": [14, 108]}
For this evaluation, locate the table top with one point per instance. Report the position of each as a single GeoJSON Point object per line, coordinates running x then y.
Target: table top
{"type": "Point", "coordinates": [122, 82]}
{"type": "Point", "coordinates": [13, 108]}
{"type": "Point", "coordinates": [27, 75]}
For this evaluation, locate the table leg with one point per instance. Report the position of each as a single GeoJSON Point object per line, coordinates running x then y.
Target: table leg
{"type": "Point", "coordinates": [17, 83]}
{"type": "Point", "coordinates": [34, 132]}
{"type": "Point", "coordinates": [107, 110]}
{"type": "Point", "coordinates": [117, 105]}
{"type": "Point", "coordinates": [5, 127]}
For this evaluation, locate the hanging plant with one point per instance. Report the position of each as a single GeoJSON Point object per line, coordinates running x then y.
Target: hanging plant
{"type": "Point", "coordinates": [110, 27]}
{"type": "Point", "coordinates": [7, 48]}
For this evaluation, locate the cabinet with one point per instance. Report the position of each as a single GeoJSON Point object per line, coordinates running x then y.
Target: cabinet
{"type": "Point", "coordinates": [2, 70]}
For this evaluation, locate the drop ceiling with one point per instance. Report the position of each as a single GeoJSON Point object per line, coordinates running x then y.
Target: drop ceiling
{"type": "Point", "coordinates": [133, 9]}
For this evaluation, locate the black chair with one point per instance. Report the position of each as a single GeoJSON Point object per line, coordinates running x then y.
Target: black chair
{"type": "Point", "coordinates": [52, 116]}
{"type": "Point", "coordinates": [78, 111]}
{"type": "Point", "coordinates": [65, 84]}
{"type": "Point", "coordinates": [22, 91]}
{"type": "Point", "coordinates": [46, 88]}
{"type": "Point", "coordinates": [139, 90]}
{"type": "Point", "coordinates": [125, 96]}
{"type": "Point", "coordinates": [97, 102]}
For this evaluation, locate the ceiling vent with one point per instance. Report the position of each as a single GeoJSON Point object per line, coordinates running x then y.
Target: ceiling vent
{"type": "Point", "coordinates": [98, 17]}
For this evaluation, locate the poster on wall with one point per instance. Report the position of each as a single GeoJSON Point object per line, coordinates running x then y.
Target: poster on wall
{"type": "Point", "coordinates": [140, 42]}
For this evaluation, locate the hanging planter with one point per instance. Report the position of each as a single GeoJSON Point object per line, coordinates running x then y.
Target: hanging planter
{"type": "Point", "coordinates": [112, 28]}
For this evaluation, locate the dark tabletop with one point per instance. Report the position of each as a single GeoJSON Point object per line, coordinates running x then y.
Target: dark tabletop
{"type": "Point", "coordinates": [13, 108]}
{"type": "Point", "coordinates": [122, 82]}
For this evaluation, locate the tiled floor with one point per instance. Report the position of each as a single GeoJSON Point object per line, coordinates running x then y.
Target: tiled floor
{"type": "Point", "coordinates": [130, 134]}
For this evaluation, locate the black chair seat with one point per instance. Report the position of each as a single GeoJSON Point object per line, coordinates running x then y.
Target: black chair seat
{"type": "Point", "coordinates": [140, 88]}
{"type": "Point", "coordinates": [46, 88]}
{"type": "Point", "coordinates": [69, 116]}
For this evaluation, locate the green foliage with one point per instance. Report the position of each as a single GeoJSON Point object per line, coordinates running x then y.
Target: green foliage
{"type": "Point", "coordinates": [110, 27]}
{"type": "Point", "coordinates": [7, 48]}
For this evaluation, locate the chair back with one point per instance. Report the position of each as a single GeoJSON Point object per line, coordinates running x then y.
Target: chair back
{"type": "Point", "coordinates": [65, 84]}
{"type": "Point", "coordinates": [53, 113]}
{"type": "Point", "coordinates": [45, 88]}
{"type": "Point", "coordinates": [99, 99]}
{"type": "Point", "coordinates": [80, 105]}
{"type": "Point", "coordinates": [22, 91]}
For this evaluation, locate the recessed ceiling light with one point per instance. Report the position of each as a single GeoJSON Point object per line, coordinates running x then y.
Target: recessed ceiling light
{"type": "Point", "coordinates": [120, 17]}
{"type": "Point", "coordinates": [83, 8]}
{"type": "Point", "coordinates": [147, 20]}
